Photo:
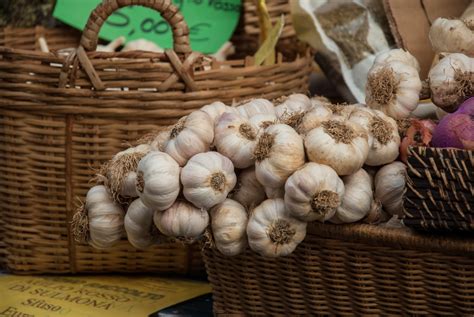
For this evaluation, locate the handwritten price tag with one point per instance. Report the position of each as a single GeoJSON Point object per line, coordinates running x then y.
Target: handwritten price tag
{"type": "Point", "coordinates": [211, 22]}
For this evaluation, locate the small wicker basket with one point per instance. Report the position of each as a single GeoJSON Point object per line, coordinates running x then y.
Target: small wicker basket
{"type": "Point", "coordinates": [62, 116]}
{"type": "Point", "coordinates": [349, 270]}
{"type": "Point", "coordinates": [440, 193]}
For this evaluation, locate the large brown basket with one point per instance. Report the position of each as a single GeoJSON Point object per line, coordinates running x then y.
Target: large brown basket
{"type": "Point", "coordinates": [61, 117]}
{"type": "Point", "coordinates": [352, 270]}
{"type": "Point", "coordinates": [440, 191]}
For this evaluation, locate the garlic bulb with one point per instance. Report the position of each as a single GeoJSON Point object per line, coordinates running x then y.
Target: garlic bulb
{"type": "Point", "coordinates": [142, 45]}
{"type": "Point", "coordinates": [248, 191]}
{"type": "Point", "coordinates": [263, 120]}
{"type": "Point", "coordinates": [398, 55]}
{"type": "Point", "coordinates": [279, 152]}
{"type": "Point", "coordinates": [236, 138]}
{"type": "Point", "coordinates": [256, 106]}
{"type": "Point", "coordinates": [207, 178]}
{"type": "Point", "coordinates": [105, 218]}
{"type": "Point", "coordinates": [452, 81]}
{"type": "Point", "coordinates": [182, 220]}
{"type": "Point", "coordinates": [393, 88]}
{"type": "Point", "coordinates": [313, 192]}
{"type": "Point", "coordinates": [229, 225]}
{"type": "Point", "coordinates": [275, 192]}
{"type": "Point", "coordinates": [357, 200]}
{"type": "Point", "coordinates": [191, 135]}
{"type": "Point", "coordinates": [452, 36]}
{"type": "Point", "coordinates": [272, 231]}
{"type": "Point", "coordinates": [294, 103]}
{"type": "Point", "coordinates": [139, 225]}
{"type": "Point", "coordinates": [160, 140]}
{"type": "Point", "coordinates": [158, 180]}
{"type": "Point", "coordinates": [383, 137]}
{"type": "Point", "coordinates": [313, 117]}
{"type": "Point", "coordinates": [216, 109]}
{"type": "Point", "coordinates": [320, 101]}
{"type": "Point", "coordinates": [390, 186]}
{"type": "Point", "coordinates": [340, 144]}
{"type": "Point", "coordinates": [121, 171]}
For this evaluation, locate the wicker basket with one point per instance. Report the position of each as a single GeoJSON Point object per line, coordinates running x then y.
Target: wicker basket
{"type": "Point", "coordinates": [440, 194]}
{"type": "Point", "coordinates": [61, 117]}
{"type": "Point", "coordinates": [359, 270]}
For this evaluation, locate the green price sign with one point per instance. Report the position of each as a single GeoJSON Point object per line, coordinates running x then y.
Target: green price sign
{"type": "Point", "coordinates": [211, 22]}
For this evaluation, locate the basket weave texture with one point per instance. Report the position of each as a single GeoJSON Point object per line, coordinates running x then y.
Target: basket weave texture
{"type": "Point", "coordinates": [359, 270]}
{"type": "Point", "coordinates": [440, 191]}
{"type": "Point", "coordinates": [61, 117]}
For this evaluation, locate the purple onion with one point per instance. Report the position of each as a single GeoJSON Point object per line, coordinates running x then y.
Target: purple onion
{"type": "Point", "coordinates": [467, 107]}
{"type": "Point", "coordinates": [456, 129]}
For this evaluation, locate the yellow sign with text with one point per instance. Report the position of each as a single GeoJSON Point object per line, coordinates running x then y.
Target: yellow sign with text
{"type": "Point", "coordinates": [93, 296]}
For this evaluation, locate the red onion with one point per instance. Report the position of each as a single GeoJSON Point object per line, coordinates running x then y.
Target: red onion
{"type": "Point", "coordinates": [457, 129]}
{"type": "Point", "coordinates": [419, 133]}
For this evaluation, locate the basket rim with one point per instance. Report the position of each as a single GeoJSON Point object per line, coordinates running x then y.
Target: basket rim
{"type": "Point", "coordinates": [400, 238]}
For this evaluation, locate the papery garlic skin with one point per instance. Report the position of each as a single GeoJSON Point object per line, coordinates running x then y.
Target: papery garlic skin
{"type": "Point", "coordinates": [451, 81]}
{"type": "Point", "coordinates": [393, 88]}
{"type": "Point", "coordinates": [216, 109]}
{"type": "Point", "coordinates": [248, 191]}
{"type": "Point", "coordinates": [452, 36]}
{"type": "Point", "coordinates": [294, 103]}
{"type": "Point", "coordinates": [229, 227]}
{"type": "Point", "coordinates": [191, 135]}
{"type": "Point", "coordinates": [105, 218]}
{"type": "Point", "coordinates": [342, 111]}
{"type": "Point", "coordinates": [272, 231]}
{"type": "Point", "coordinates": [182, 220]}
{"type": "Point", "coordinates": [357, 199]}
{"type": "Point", "coordinates": [279, 152]}
{"type": "Point", "coordinates": [138, 225]}
{"type": "Point", "coordinates": [158, 180]}
{"type": "Point", "coordinates": [263, 121]}
{"type": "Point", "coordinates": [256, 106]}
{"type": "Point", "coordinates": [313, 192]}
{"type": "Point", "coordinates": [313, 117]}
{"type": "Point", "coordinates": [398, 55]}
{"type": "Point", "coordinates": [383, 136]}
{"type": "Point", "coordinates": [160, 140]}
{"type": "Point", "coordinates": [273, 193]}
{"type": "Point", "coordinates": [390, 186]}
{"type": "Point", "coordinates": [236, 138]}
{"type": "Point", "coordinates": [207, 179]}
{"type": "Point", "coordinates": [121, 171]}
{"type": "Point", "coordinates": [340, 144]}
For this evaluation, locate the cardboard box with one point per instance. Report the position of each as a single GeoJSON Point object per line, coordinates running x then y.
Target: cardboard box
{"type": "Point", "coordinates": [410, 22]}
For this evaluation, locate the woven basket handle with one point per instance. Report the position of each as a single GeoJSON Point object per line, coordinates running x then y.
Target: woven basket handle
{"type": "Point", "coordinates": [167, 10]}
